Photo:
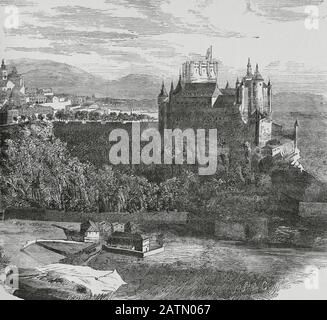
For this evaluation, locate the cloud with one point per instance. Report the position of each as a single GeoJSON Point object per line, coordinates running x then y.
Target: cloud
{"type": "Point", "coordinates": [281, 10]}
{"type": "Point", "coordinates": [117, 37]}
{"type": "Point", "coordinates": [18, 3]}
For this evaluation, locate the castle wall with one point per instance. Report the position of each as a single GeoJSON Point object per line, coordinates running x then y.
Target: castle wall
{"type": "Point", "coordinates": [265, 130]}
{"type": "Point", "coordinates": [258, 96]}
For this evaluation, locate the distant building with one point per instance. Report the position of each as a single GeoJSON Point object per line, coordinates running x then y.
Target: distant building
{"type": "Point", "coordinates": [91, 231]}
{"type": "Point", "coordinates": [48, 92]}
{"type": "Point", "coordinates": [12, 88]}
{"type": "Point", "coordinates": [130, 241]}
{"type": "Point", "coordinates": [78, 100]}
{"type": "Point", "coordinates": [118, 227]}
{"type": "Point", "coordinates": [10, 80]}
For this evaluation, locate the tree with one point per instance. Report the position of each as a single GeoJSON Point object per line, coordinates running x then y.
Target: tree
{"type": "Point", "coordinates": [49, 116]}
{"type": "Point", "coordinates": [94, 116]}
{"type": "Point", "coordinates": [61, 115]}
{"type": "Point", "coordinates": [81, 115]}
{"type": "Point", "coordinates": [40, 171]}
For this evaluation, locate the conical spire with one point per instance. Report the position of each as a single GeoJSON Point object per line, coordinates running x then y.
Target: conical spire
{"type": "Point", "coordinates": [296, 125]}
{"type": "Point", "coordinates": [179, 84]}
{"type": "Point", "coordinates": [237, 82]}
{"type": "Point", "coordinates": [227, 85]}
{"type": "Point", "coordinates": [3, 66]}
{"type": "Point", "coordinates": [14, 70]}
{"type": "Point", "coordinates": [269, 83]}
{"type": "Point", "coordinates": [249, 68]}
{"type": "Point", "coordinates": [257, 75]}
{"type": "Point", "coordinates": [163, 92]}
{"type": "Point", "coordinates": [171, 87]}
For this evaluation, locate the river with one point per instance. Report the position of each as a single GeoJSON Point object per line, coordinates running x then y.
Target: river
{"type": "Point", "coordinates": [303, 272]}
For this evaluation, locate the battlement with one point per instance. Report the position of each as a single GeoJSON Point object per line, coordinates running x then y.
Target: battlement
{"type": "Point", "coordinates": [200, 71]}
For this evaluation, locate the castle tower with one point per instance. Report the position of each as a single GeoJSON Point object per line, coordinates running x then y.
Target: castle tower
{"type": "Point", "coordinates": [179, 85]}
{"type": "Point", "coordinates": [296, 129]}
{"type": "Point", "coordinates": [269, 97]}
{"type": "Point", "coordinates": [237, 91]}
{"type": "Point", "coordinates": [171, 89]}
{"type": "Point", "coordinates": [162, 107]}
{"type": "Point", "coordinates": [258, 99]}
{"type": "Point", "coordinates": [249, 74]}
{"type": "Point", "coordinates": [203, 71]}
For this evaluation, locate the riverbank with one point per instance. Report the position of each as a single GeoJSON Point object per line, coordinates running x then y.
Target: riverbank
{"type": "Point", "coordinates": [190, 267]}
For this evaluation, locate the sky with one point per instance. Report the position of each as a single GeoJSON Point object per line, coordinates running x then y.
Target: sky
{"type": "Point", "coordinates": [114, 38]}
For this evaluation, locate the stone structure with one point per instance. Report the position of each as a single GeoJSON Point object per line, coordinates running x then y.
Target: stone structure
{"type": "Point", "coordinates": [200, 71]}
{"type": "Point", "coordinates": [12, 94]}
{"type": "Point", "coordinates": [242, 115]}
{"type": "Point", "coordinates": [12, 86]}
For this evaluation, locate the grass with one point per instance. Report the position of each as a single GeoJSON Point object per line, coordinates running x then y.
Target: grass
{"type": "Point", "coordinates": [173, 282]}
{"type": "Point", "coordinates": [4, 260]}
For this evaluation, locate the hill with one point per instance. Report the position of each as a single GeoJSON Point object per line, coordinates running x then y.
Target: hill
{"type": "Point", "coordinates": [64, 78]}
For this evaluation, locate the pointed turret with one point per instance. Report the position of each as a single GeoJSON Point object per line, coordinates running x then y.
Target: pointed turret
{"type": "Point", "coordinates": [237, 83]}
{"type": "Point", "coordinates": [249, 69]}
{"type": "Point", "coordinates": [14, 70]}
{"type": "Point", "coordinates": [163, 92]}
{"type": "Point", "coordinates": [296, 128]}
{"type": "Point", "coordinates": [171, 88]}
{"type": "Point", "coordinates": [227, 85]}
{"type": "Point", "coordinates": [3, 65]}
{"type": "Point", "coordinates": [269, 97]}
{"type": "Point", "coordinates": [257, 75]}
{"type": "Point", "coordinates": [179, 85]}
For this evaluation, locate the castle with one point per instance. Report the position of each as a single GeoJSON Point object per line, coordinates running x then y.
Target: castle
{"type": "Point", "coordinates": [242, 115]}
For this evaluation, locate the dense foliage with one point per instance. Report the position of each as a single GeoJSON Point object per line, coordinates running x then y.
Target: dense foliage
{"type": "Point", "coordinates": [38, 170]}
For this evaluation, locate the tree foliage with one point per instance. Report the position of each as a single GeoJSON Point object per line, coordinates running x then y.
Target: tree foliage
{"type": "Point", "coordinates": [38, 170]}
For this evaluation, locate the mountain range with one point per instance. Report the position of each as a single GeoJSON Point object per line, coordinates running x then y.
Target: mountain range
{"type": "Point", "coordinates": [64, 78]}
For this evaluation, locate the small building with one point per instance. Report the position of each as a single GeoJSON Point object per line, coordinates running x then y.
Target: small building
{"type": "Point", "coordinates": [91, 231]}
{"type": "Point", "coordinates": [131, 227]}
{"type": "Point", "coordinates": [118, 227]}
{"type": "Point", "coordinates": [136, 241]}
